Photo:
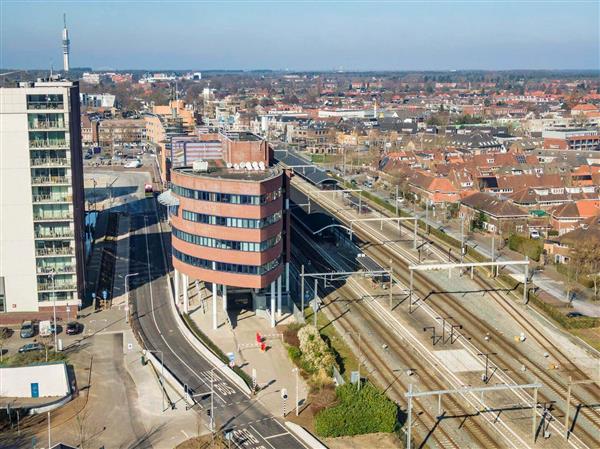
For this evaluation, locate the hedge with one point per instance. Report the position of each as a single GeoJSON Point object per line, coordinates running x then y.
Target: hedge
{"type": "Point", "coordinates": [214, 348]}
{"type": "Point", "coordinates": [553, 312]}
{"type": "Point", "coordinates": [367, 410]}
{"type": "Point", "coordinates": [528, 247]}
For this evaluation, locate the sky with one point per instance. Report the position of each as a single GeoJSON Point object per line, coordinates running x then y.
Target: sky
{"type": "Point", "coordinates": [303, 35]}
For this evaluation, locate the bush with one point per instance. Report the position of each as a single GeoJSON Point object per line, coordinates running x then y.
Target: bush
{"type": "Point", "coordinates": [362, 411]}
{"type": "Point", "coordinates": [294, 353]}
{"type": "Point", "coordinates": [315, 352]}
{"type": "Point", "coordinates": [290, 334]}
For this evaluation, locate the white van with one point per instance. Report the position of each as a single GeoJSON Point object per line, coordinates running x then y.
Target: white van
{"type": "Point", "coordinates": [45, 328]}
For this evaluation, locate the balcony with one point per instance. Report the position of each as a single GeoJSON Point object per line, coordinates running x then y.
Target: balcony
{"type": "Point", "coordinates": [68, 269]}
{"type": "Point", "coordinates": [58, 286]}
{"type": "Point", "coordinates": [48, 124]}
{"type": "Point", "coordinates": [48, 235]}
{"type": "Point", "coordinates": [53, 105]}
{"type": "Point", "coordinates": [44, 180]}
{"type": "Point", "coordinates": [52, 198]}
{"type": "Point", "coordinates": [48, 217]}
{"type": "Point", "coordinates": [58, 251]}
{"type": "Point", "coordinates": [51, 162]}
{"type": "Point", "coordinates": [49, 143]}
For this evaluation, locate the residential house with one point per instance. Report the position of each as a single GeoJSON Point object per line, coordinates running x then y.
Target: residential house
{"type": "Point", "coordinates": [501, 216]}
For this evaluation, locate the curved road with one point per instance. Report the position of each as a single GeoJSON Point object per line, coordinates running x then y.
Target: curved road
{"type": "Point", "coordinates": [252, 426]}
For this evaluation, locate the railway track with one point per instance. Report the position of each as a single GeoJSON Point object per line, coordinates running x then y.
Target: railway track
{"type": "Point", "coordinates": [384, 255]}
{"type": "Point", "coordinates": [478, 435]}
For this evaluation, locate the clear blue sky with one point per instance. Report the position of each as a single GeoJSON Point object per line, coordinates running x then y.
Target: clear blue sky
{"type": "Point", "coordinates": [304, 35]}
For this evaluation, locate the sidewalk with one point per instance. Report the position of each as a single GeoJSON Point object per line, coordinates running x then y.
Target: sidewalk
{"type": "Point", "coordinates": [236, 333]}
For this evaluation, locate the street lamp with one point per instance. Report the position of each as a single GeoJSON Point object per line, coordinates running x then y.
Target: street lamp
{"type": "Point", "coordinates": [295, 370]}
{"type": "Point", "coordinates": [52, 273]}
{"type": "Point", "coordinates": [162, 375]}
{"type": "Point", "coordinates": [359, 353]}
{"type": "Point", "coordinates": [127, 276]}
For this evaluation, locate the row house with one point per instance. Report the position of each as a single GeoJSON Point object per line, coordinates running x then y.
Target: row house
{"type": "Point", "coordinates": [571, 216]}
{"type": "Point", "coordinates": [500, 215]}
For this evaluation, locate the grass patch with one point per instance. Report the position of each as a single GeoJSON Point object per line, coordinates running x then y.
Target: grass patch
{"type": "Point", "coordinates": [214, 348]}
{"type": "Point", "coordinates": [358, 412]}
{"type": "Point", "coordinates": [591, 336]}
{"type": "Point", "coordinates": [33, 358]}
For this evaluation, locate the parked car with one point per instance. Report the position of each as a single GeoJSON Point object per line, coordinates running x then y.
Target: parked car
{"type": "Point", "coordinates": [27, 329]}
{"type": "Point", "coordinates": [534, 234]}
{"type": "Point", "coordinates": [575, 315]}
{"type": "Point", "coordinates": [31, 347]}
{"type": "Point", "coordinates": [74, 328]}
{"type": "Point", "coordinates": [46, 328]}
{"type": "Point", "coordinates": [5, 332]}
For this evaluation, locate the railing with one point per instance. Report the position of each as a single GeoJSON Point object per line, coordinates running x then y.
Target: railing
{"type": "Point", "coordinates": [52, 143]}
{"type": "Point", "coordinates": [52, 198]}
{"type": "Point", "coordinates": [65, 216]}
{"type": "Point", "coordinates": [45, 105]}
{"type": "Point", "coordinates": [54, 235]}
{"type": "Point", "coordinates": [50, 270]}
{"type": "Point", "coordinates": [47, 286]}
{"type": "Point", "coordinates": [50, 180]}
{"type": "Point", "coordinates": [62, 251]}
{"type": "Point", "coordinates": [46, 125]}
{"type": "Point", "coordinates": [50, 161]}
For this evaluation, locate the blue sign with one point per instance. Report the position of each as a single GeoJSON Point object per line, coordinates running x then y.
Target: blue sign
{"type": "Point", "coordinates": [104, 294]}
{"type": "Point", "coordinates": [35, 390]}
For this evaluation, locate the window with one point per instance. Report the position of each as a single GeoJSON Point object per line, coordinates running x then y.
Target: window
{"type": "Point", "coordinates": [231, 198]}
{"type": "Point", "coordinates": [232, 222]}
{"type": "Point", "coordinates": [226, 267]}
{"type": "Point", "coordinates": [226, 244]}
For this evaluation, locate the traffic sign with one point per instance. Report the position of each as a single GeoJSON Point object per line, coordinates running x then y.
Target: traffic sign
{"type": "Point", "coordinates": [231, 357]}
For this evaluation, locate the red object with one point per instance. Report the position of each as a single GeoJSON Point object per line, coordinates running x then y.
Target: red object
{"type": "Point", "coordinates": [258, 337]}
{"type": "Point", "coordinates": [263, 347]}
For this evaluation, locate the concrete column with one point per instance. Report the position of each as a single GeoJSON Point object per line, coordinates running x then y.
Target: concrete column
{"type": "Point", "coordinates": [279, 296]}
{"type": "Point", "coordinates": [186, 293]}
{"type": "Point", "coordinates": [287, 277]}
{"type": "Point", "coordinates": [214, 305]}
{"type": "Point", "coordinates": [273, 304]}
{"type": "Point", "coordinates": [176, 281]}
{"type": "Point", "coordinates": [224, 298]}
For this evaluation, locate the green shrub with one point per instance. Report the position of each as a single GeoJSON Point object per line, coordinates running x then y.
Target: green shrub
{"type": "Point", "coordinates": [294, 353]}
{"type": "Point", "coordinates": [315, 351]}
{"type": "Point", "coordinates": [528, 247]}
{"type": "Point", "coordinates": [362, 411]}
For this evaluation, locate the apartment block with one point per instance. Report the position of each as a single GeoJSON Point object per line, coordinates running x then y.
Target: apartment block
{"type": "Point", "coordinates": [41, 198]}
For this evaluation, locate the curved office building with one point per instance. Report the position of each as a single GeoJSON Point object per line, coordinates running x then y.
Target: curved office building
{"type": "Point", "coordinates": [229, 230]}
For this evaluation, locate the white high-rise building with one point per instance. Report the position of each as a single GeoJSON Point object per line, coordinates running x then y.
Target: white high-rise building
{"type": "Point", "coordinates": [41, 198]}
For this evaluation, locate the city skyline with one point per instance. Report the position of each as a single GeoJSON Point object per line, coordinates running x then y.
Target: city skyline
{"type": "Point", "coordinates": [325, 36]}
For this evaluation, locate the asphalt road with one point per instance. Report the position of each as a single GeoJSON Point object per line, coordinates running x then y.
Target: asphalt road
{"type": "Point", "coordinates": [252, 426]}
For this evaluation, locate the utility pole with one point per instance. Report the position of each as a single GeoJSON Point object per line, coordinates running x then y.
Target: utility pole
{"type": "Point", "coordinates": [316, 301]}
{"type": "Point", "coordinates": [493, 255]}
{"type": "Point", "coordinates": [487, 355]}
{"type": "Point", "coordinates": [49, 435]}
{"type": "Point", "coordinates": [462, 236]}
{"type": "Point", "coordinates": [127, 276]}
{"type": "Point", "coordinates": [302, 288]}
{"type": "Point", "coordinates": [397, 188]}
{"type": "Point", "coordinates": [54, 330]}
{"type": "Point", "coordinates": [295, 370]}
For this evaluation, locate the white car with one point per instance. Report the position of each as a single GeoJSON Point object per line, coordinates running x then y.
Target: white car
{"type": "Point", "coordinates": [133, 164]}
{"type": "Point", "coordinates": [534, 234]}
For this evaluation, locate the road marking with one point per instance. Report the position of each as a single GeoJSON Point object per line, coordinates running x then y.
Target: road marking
{"type": "Point", "coordinates": [185, 434]}
{"type": "Point", "coordinates": [154, 314]}
{"type": "Point", "coordinates": [275, 436]}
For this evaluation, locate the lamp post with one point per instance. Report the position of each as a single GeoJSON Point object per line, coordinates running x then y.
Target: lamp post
{"type": "Point", "coordinates": [359, 354]}
{"type": "Point", "coordinates": [127, 276]}
{"type": "Point", "coordinates": [295, 370]}
{"type": "Point", "coordinates": [54, 308]}
{"type": "Point", "coordinates": [162, 375]}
